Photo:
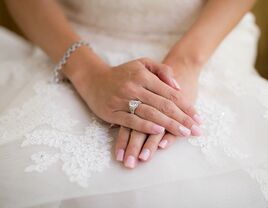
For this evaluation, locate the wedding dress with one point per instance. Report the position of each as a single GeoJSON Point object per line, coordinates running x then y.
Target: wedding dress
{"type": "Point", "coordinates": [55, 153]}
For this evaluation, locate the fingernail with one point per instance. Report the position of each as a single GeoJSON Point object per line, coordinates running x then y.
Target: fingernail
{"type": "Point", "coordinates": [145, 153]}
{"type": "Point", "coordinates": [120, 155]}
{"type": "Point", "coordinates": [131, 161]}
{"type": "Point", "coordinates": [196, 131]}
{"type": "Point", "coordinates": [176, 84]}
{"type": "Point", "coordinates": [184, 131]}
{"type": "Point", "coordinates": [198, 119]}
{"type": "Point", "coordinates": [158, 129]}
{"type": "Point", "coordinates": [163, 144]}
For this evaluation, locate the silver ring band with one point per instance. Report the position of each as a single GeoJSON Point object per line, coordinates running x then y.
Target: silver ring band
{"type": "Point", "coordinates": [132, 105]}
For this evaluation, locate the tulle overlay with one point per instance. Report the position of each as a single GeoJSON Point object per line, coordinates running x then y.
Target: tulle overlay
{"type": "Point", "coordinates": [54, 152]}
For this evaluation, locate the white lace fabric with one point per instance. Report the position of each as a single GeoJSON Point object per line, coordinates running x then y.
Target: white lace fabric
{"type": "Point", "coordinates": [61, 141]}
{"type": "Point", "coordinates": [43, 121]}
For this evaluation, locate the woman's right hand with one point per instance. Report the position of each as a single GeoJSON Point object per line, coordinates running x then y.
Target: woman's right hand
{"type": "Point", "coordinates": [109, 91]}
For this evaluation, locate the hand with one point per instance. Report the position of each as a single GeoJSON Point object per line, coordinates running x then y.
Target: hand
{"type": "Point", "coordinates": [108, 92]}
{"type": "Point", "coordinates": [187, 76]}
{"type": "Point", "coordinates": [132, 146]}
{"type": "Point", "coordinates": [188, 79]}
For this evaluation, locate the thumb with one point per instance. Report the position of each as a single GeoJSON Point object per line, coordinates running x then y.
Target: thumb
{"type": "Point", "coordinates": [162, 71]}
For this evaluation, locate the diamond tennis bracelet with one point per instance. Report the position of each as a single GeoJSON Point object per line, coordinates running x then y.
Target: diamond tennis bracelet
{"type": "Point", "coordinates": [57, 75]}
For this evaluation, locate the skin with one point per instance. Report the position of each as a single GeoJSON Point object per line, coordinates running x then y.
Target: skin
{"type": "Point", "coordinates": [163, 107]}
{"type": "Point", "coordinates": [171, 107]}
{"type": "Point", "coordinates": [186, 57]}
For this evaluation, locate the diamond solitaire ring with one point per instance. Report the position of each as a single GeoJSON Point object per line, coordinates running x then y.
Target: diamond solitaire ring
{"type": "Point", "coordinates": [132, 105]}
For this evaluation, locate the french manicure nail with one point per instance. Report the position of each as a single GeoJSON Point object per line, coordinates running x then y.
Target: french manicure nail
{"type": "Point", "coordinates": [163, 144]}
{"type": "Point", "coordinates": [120, 155]}
{"type": "Point", "coordinates": [131, 161]}
{"type": "Point", "coordinates": [145, 153]}
{"type": "Point", "coordinates": [198, 119]}
{"type": "Point", "coordinates": [158, 129]}
{"type": "Point", "coordinates": [176, 84]}
{"type": "Point", "coordinates": [184, 131]}
{"type": "Point", "coordinates": [196, 131]}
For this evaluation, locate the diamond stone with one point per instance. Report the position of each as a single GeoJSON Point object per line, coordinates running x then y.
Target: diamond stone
{"type": "Point", "coordinates": [133, 104]}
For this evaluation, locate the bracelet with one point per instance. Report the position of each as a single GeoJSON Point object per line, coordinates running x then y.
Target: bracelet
{"type": "Point", "coordinates": [57, 75]}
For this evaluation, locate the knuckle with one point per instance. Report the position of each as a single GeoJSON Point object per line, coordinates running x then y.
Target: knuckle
{"type": "Point", "coordinates": [127, 88]}
{"type": "Point", "coordinates": [120, 144]}
{"type": "Point", "coordinates": [171, 124]}
{"type": "Point", "coordinates": [144, 77]}
{"type": "Point", "coordinates": [167, 108]}
{"type": "Point", "coordinates": [174, 97]}
{"type": "Point", "coordinates": [143, 73]}
{"type": "Point", "coordinates": [121, 140]}
{"type": "Point", "coordinates": [187, 122]}
{"type": "Point", "coordinates": [138, 74]}
{"type": "Point", "coordinates": [152, 143]}
{"type": "Point", "coordinates": [152, 114]}
{"type": "Point", "coordinates": [189, 109]}
{"type": "Point", "coordinates": [148, 78]}
{"type": "Point", "coordinates": [133, 149]}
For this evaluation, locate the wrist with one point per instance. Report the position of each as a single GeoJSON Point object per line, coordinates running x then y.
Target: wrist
{"type": "Point", "coordinates": [186, 57]}
{"type": "Point", "coordinates": [183, 66]}
{"type": "Point", "coordinates": [83, 66]}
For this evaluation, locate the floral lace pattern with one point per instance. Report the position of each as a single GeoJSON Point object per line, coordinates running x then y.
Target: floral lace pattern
{"type": "Point", "coordinates": [43, 121]}
{"type": "Point", "coordinates": [38, 111]}
{"type": "Point", "coordinates": [215, 142]}
{"type": "Point", "coordinates": [80, 154]}
{"type": "Point", "coordinates": [132, 30]}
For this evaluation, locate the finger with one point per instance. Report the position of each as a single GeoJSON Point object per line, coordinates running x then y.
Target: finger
{"type": "Point", "coordinates": [150, 113]}
{"type": "Point", "coordinates": [150, 146]}
{"type": "Point", "coordinates": [162, 71]}
{"type": "Point", "coordinates": [160, 88]}
{"type": "Point", "coordinates": [121, 143]}
{"type": "Point", "coordinates": [113, 126]}
{"type": "Point", "coordinates": [169, 109]}
{"type": "Point", "coordinates": [134, 122]}
{"type": "Point", "coordinates": [134, 146]}
{"type": "Point", "coordinates": [167, 140]}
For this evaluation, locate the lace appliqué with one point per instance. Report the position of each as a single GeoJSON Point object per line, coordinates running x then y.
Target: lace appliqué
{"type": "Point", "coordinates": [215, 142]}
{"type": "Point", "coordinates": [80, 154]}
{"type": "Point", "coordinates": [43, 121]}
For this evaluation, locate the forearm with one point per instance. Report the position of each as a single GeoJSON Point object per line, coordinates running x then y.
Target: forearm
{"type": "Point", "coordinates": [216, 20]}
{"type": "Point", "coordinates": [45, 24]}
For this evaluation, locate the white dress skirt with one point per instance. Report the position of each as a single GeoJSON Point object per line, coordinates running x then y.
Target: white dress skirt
{"type": "Point", "coordinates": [55, 153]}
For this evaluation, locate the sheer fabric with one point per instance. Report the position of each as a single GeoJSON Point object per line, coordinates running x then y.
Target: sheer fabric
{"type": "Point", "coordinates": [54, 152]}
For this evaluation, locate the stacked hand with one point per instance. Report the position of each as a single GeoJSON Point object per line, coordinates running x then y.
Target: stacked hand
{"type": "Point", "coordinates": [165, 112]}
{"type": "Point", "coordinates": [133, 146]}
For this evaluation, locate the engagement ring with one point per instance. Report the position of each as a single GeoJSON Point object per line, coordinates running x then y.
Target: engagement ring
{"type": "Point", "coordinates": [133, 104]}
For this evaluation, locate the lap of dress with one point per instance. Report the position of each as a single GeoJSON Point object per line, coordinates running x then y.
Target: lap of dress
{"type": "Point", "coordinates": [54, 152]}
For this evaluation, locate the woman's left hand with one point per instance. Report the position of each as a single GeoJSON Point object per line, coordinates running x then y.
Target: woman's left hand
{"type": "Point", "coordinates": [133, 146]}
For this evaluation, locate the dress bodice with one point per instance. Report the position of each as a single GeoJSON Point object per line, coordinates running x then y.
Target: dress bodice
{"type": "Point", "coordinates": [137, 16]}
